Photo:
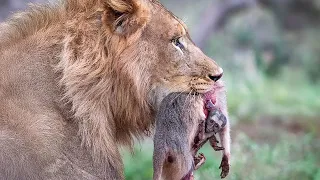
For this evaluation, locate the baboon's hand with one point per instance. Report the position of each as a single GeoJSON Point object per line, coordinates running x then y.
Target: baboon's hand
{"type": "Point", "coordinates": [214, 144]}
{"type": "Point", "coordinates": [199, 161]}
{"type": "Point", "coordinates": [224, 166]}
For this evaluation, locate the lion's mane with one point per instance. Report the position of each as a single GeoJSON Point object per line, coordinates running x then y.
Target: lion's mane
{"type": "Point", "coordinates": [106, 90]}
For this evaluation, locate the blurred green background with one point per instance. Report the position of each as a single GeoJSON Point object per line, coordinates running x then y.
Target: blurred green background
{"type": "Point", "coordinates": [270, 53]}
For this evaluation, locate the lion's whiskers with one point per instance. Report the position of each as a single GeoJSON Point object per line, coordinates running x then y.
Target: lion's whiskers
{"type": "Point", "coordinates": [176, 86]}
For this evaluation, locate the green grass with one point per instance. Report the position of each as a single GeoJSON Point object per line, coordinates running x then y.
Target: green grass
{"type": "Point", "coordinates": [292, 157]}
{"type": "Point", "coordinates": [281, 96]}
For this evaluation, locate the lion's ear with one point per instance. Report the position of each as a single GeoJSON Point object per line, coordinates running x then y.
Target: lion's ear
{"type": "Point", "coordinates": [125, 17]}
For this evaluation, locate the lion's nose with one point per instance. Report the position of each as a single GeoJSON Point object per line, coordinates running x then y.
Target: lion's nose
{"type": "Point", "coordinates": [217, 76]}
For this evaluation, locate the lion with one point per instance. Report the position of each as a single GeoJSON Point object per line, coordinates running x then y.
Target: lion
{"type": "Point", "coordinates": [80, 79]}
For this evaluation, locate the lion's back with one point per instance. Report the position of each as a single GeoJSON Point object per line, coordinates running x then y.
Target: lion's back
{"type": "Point", "coordinates": [26, 83]}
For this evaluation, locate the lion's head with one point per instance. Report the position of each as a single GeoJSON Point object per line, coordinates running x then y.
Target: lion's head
{"type": "Point", "coordinates": [161, 53]}
{"type": "Point", "coordinates": [174, 62]}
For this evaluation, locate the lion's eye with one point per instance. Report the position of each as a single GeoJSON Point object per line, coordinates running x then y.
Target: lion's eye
{"type": "Point", "coordinates": [178, 43]}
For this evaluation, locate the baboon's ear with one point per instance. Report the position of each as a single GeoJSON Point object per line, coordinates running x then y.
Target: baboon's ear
{"type": "Point", "coordinates": [125, 17]}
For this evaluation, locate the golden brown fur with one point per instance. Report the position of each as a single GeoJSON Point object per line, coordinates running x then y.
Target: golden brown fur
{"type": "Point", "coordinates": [96, 70]}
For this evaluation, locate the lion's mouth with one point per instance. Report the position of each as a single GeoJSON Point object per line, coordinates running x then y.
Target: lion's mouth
{"type": "Point", "coordinates": [211, 96]}
{"type": "Point", "coordinates": [208, 97]}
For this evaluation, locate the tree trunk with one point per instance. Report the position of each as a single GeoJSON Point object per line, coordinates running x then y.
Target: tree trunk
{"type": "Point", "coordinates": [215, 16]}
